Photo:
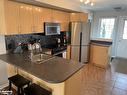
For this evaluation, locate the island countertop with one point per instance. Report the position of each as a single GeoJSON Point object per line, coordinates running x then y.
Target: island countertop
{"type": "Point", "coordinates": [101, 43]}
{"type": "Point", "coordinates": [56, 70]}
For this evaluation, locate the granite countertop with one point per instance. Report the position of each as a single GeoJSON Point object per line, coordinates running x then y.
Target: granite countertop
{"type": "Point", "coordinates": [56, 70]}
{"type": "Point", "coordinates": [101, 43]}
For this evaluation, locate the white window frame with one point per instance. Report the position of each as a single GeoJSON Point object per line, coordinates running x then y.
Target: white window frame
{"type": "Point", "coordinates": [99, 25]}
{"type": "Point", "coordinates": [123, 32]}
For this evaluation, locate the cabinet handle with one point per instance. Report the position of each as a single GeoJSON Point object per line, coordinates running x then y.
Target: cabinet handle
{"type": "Point", "coordinates": [19, 29]}
{"type": "Point", "coordinates": [33, 29]}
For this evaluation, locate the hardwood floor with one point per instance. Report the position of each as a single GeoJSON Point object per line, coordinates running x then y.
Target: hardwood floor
{"type": "Point", "coordinates": [98, 81]}
{"type": "Point", "coordinates": [113, 81]}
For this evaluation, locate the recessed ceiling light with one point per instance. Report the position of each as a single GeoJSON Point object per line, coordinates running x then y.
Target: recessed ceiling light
{"type": "Point", "coordinates": [92, 4]}
{"type": "Point", "coordinates": [87, 2]}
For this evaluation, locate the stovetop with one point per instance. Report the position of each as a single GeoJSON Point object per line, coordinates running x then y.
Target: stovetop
{"type": "Point", "coordinates": [50, 46]}
{"type": "Point", "coordinates": [56, 48]}
{"type": "Point", "coordinates": [53, 46]}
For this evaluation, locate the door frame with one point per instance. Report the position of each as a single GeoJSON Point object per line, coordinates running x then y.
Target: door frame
{"type": "Point", "coordinates": [121, 18]}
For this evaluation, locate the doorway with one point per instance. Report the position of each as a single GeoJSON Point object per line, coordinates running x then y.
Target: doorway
{"type": "Point", "coordinates": [121, 50]}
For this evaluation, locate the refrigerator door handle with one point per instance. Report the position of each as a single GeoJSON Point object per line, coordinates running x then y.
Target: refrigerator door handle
{"type": "Point", "coordinates": [80, 49]}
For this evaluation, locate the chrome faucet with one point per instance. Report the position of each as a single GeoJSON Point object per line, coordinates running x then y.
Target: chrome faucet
{"type": "Point", "coordinates": [35, 48]}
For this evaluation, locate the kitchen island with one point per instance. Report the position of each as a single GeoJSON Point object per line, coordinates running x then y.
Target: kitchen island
{"type": "Point", "coordinates": [100, 52]}
{"type": "Point", "coordinates": [61, 76]}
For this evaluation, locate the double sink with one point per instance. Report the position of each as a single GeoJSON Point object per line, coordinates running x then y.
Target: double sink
{"type": "Point", "coordinates": [41, 58]}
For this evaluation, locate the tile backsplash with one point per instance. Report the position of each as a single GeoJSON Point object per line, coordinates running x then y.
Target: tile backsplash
{"type": "Point", "coordinates": [12, 41]}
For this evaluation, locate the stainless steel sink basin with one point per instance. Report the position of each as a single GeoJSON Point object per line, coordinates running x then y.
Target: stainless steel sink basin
{"type": "Point", "coordinates": [41, 58]}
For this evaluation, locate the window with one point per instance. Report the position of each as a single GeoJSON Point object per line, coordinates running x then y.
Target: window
{"type": "Point", "coordinates": [125, 30]}
{"type": "Point", "coordinates": [106, 27]}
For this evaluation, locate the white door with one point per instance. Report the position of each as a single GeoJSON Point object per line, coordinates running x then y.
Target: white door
{"type": "Point", "coordinates": [122, 39]}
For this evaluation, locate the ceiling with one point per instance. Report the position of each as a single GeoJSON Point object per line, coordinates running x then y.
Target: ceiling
{"type": "Point", "coordinates": [76, 5]}
{"type": "Point", "coordinates": [101, 5]}
{"type": "Point", "coordinates": [63, 5]}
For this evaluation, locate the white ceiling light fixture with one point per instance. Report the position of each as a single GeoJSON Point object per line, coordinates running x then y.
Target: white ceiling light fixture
{"type": "Point", "coordinates": [87, 2]}
{"type": "Point", "coordinates": [81, 1]}
{"type": "Point", "coordinates": [91, 3]}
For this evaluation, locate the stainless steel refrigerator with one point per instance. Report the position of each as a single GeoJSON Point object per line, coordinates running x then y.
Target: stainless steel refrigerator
{"type": "Point", "coordinates": [80, 41]}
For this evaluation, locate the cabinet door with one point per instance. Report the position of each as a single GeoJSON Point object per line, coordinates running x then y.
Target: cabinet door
{"type": "Point", "coordinates": [79, 17]}
{"type": "Point", "coordinates": [57, 15]}
{"type": "Point", "coordinates": [68, 54]}
{"type": "Point", "coordinates": [62, 18]}
{"type": "Point", "coordinates": [83, 17]}
{"type": "Point", "coordinates": [26, 19]}
{"type": "Point", "coordinates": [47, 15]}
{"type": "Point", "coordinates": [65, 21]}
{"type": "Point", "coordinates": [99, 55]}
{"type": "Point", "coordinates": [11, 70]}
{"type": "Point", "coordinates": [38, 19]}
{"type": "Point", "coordinates": [12, 17]}
{"type": "Point", "coordinates": [74, 17]}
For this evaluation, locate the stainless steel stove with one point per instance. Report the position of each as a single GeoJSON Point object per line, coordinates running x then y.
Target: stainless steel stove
{"type": "Point", "coordinates": [57, 50]}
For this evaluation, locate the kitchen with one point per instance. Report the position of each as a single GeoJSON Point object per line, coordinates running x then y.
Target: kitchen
{"type": "Point", "coordinates": [39, 30]}
{"type": "Point", "coordinates": [49, 47]}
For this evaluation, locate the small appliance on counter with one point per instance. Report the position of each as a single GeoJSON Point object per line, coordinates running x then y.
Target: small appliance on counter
{"type": "Point", "coordinates": [18, 48]}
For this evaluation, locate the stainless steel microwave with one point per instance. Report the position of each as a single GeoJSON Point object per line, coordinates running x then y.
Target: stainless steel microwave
{"type": "Point", "coordinates": [51, 28]}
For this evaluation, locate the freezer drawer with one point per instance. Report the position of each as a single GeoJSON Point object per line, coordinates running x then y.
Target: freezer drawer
{"type": "Point", "coordinates": [75, 53]}
{"type": "Point", "coordinates": [84, 54]}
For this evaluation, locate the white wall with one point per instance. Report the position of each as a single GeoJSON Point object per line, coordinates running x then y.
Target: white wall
{"type": "Point", "coordinates": [3, 71]}
{"type": "Point", "coordinates": [95, 24]}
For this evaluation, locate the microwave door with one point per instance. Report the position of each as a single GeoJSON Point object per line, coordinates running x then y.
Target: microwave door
{"type": "Point", "coordinates": [52, 29]}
